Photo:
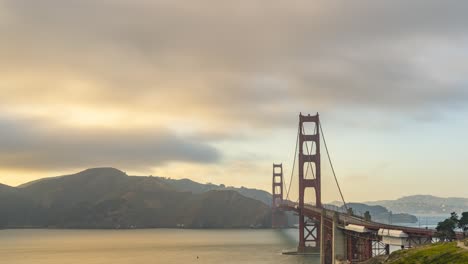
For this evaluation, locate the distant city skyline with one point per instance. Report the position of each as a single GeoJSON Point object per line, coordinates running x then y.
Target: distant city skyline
{"type": "Point", "coordinates": [211, 91]}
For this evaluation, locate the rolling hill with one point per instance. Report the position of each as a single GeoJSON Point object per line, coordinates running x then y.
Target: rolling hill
{"type": "Point", "coordinates": [108, 198]}
{"type": "Point", "coordinates": [425, 204]}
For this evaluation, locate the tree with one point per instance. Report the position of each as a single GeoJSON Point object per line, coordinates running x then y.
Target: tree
{"type": "Point", "coordinates": [367, 216]}
{"type": "Point", "coordinates": [446, 228]}
{"type": "Point", "coordinates": [463, 223]}
{"type": "Point", "coordinates": [454, 217]}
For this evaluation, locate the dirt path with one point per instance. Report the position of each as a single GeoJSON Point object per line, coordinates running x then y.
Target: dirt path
{"type": "Point", "coordinates": [461, 244]}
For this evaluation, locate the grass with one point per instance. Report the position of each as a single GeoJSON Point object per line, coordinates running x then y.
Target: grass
{"type": "Point", "coordinates": [440, 253]}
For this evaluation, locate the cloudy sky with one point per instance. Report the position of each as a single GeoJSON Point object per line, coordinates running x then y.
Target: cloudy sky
{"type": "Point", "coordinates": [211, 90]}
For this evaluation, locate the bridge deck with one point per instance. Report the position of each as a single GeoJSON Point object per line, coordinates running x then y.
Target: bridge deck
{"type": "Point", "coordinates": [343, 218]}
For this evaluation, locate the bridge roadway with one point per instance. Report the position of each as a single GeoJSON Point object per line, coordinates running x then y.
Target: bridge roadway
{"type": "Point", "coordinates": [344, 219]}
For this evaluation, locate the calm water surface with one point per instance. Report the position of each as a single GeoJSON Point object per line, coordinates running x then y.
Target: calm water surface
{"type": "Point", "coordinates": [148, 246]}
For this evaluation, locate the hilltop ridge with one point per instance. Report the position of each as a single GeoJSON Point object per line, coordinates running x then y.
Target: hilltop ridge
{"type": "Point", "coordinates": [109, 198]}
{"type": "Point", "coordinates": [425, 204]}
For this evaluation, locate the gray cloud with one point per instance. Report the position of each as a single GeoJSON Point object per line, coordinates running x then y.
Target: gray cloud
{"type": "Point", "coordinates": [30, 144]}
{"type": "Point", "coordinates": [252, 63]}
{"type": "Point", "coordinates": [229, 74]}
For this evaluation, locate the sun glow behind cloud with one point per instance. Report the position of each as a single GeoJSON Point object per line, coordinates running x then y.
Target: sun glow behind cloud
{"type": "Point", "coordinates": [212, 90]}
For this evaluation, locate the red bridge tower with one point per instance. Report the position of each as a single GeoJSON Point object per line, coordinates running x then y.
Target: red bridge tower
{"type": "Point", "coordinates": [278, 219]}
{"type": "Point", "coordinates": [309, 228]}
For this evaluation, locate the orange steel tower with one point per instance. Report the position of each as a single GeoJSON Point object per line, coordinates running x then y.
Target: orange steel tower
{"type": "Point", "coordinates": [309, 228]}
{"type": "Point", "coordinates": [278, 217]}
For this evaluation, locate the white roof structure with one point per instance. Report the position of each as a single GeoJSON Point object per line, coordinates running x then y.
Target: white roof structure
{"type": "Point", "coordinates": [357, 228]}
{"type": "Point", "coordinates": [391, 233]}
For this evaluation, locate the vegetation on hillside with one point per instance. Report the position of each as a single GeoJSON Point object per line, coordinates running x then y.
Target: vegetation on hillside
{"type": "Point", "coordinates": [108, 198]}
{"type": "Point", "coordinates": [446, 228]}
{"type": "Point", "coordinates": [463, 223]}
{"type": "Point", "coordinates": [440, 253]}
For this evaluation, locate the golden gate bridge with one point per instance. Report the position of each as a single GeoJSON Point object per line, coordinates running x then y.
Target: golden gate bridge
{"type": "Point", "coordinates": [338, 237]}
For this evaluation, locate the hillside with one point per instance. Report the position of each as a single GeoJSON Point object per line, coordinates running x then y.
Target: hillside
{"type": "Point", "coordinates": [187, 185]}
{"type": "Point", "coordinates": [441, 253]}
{"type": "Point", "coordinates": [4, 187]}
{"type": "Point", "coordinates": [378, 213]}
{"type": "Point", "coordinates": [424, 204]}
{"type": "Point", "coordinates": [382, 214]}
{"type": "Point", "coordinates": [108, 198]}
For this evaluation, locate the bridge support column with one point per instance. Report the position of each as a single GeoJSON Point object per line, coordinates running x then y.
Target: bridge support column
{"type": "Point", "coordinates": [309, 229]}
{"type": "Point", "coordinates": [323, 253]}
{"type": "Point", "coordinates": [339, 242]}
{"type": "Point", "coordinates": [359, 248]}
{"type": "Point", "coordinates": [278, 217]}
{"type": "Point", "coordinates": [327, 252]}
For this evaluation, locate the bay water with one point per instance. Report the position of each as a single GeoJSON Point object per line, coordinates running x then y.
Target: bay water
{"type": "Point", "coordinates": [141, 246]}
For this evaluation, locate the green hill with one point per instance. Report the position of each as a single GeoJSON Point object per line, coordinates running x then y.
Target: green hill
{"type": "Point", "coordinates": [440, 253]}
{"type": "Point", "coordinates": [108, 198]}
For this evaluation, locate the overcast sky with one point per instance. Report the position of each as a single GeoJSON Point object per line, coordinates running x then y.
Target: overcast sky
{"type": "Point", "coordinates": [211, 90]}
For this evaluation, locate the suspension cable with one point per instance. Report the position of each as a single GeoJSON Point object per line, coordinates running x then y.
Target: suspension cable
{"type": "Point", "coordinates": [331, 165]}
{"type": "Point", "coordinates": [294, 165]}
